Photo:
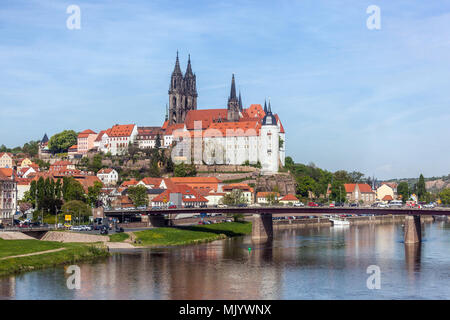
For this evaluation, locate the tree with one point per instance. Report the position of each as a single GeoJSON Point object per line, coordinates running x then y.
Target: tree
{"type": "Point", "coordinates": [138, 194]}
{"type": "Point", "coordinates": [304, 185]}
{"type": "Point", "coordinates": [343, 176]}
{"type": "Point", "coordinates": [356, 176]}
{"type": "Point", "coordinates": [158, 141]}
{"type": "Point", "coordinates": [233, 198]}
{"type": "Point", "coordinates": [77, 209]}
{"type": "Point", "coordinates": [421, 191]}
{"type": "Point", "coordinates": [403, 190]}
{"type": "Point", "coordinates": [338, 192]}
{"type": "Point", "coordinates": [61, 142]}
{"type": "Point", "coordinates": [96, 163]}
{"type": "Point", "coordinates": [72, 190]}
{"type": "Point", "coordinates": [183, 170]}
{"type": "Point", "coordinates": [288, 162]}
{"type": "Point", "coordinates": [445, 196]}
{"type": "Point", "coordinates": [94, 194]}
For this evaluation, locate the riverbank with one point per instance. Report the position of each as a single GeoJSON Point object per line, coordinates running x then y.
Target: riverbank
{"type": "Point", "coordinates": [184, 235]}
{"type": "Point", "coordinates": [27, 255]}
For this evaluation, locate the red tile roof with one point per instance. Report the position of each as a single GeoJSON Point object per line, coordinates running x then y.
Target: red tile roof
{"type": "Point", "coordinates": [387, 197]}
{"type": "Point", "coordinates": [255, 111]}
{"type": "Point", "coordinates": [105, 171]}
{"type": "Point", "coordinates": [121, 130]}
{"type": "Point", "coordinates": [7, 172]}
{"type": "Point", "coordinates": [363, 187]}
{"type": "Point", "coordinates": [289, 197]}
{"type": "Point", "coordinates": [86, 133]}
{"type": "Point", "coordinates": [131, 182]}
{"type": "Point", "coordinates": [152, 181]}
{"type": "Point", "coordinates": [206, 117]}
{"type": "Point", "coordinates": [264, 194]}
{"type": "Point", "coordinates": [185, 190]}
{"type": "Point", "coordinates": [234, 129]}
{"type": "Point", "coordinates": [100, 135]}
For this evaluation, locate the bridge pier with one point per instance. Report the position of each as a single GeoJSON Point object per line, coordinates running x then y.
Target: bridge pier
{"type": "Point", "coordinates": [262, 227]}
{"type": "Point", "coordinates": [413, 229]}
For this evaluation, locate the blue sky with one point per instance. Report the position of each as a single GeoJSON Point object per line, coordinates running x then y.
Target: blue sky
{"type": "Point", "coordinates": [377, 101]}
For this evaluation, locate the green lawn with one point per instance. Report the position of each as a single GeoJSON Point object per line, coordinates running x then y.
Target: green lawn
{"type": "Point", "coordinates": [73, 252]}
{"type": "Point", "coordinates": [192, 234]}
{"type": "Point", "coordinates": [118, 237]}
{"type": "Point", "coordinates": [17, 247]}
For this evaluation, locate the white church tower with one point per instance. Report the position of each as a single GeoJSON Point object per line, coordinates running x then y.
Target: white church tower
{"type": "Point", "coordinates": [269, 150]}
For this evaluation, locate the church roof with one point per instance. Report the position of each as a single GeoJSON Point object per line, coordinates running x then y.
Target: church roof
{"type": "Point", "coordinates": [206, 116]}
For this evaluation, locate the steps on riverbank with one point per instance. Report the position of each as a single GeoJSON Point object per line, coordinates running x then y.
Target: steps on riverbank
{"type": "Point", "coordinates": [5, 235]}
{"type": "Point", "coordinates": [73, 237]}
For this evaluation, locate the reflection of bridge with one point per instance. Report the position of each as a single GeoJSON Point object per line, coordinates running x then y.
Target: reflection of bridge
{"type": "Point", "coordinates": [262, 216]}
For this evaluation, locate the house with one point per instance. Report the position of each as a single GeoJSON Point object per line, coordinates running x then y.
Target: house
{"type": "Point", "coordinates": [147, 137]}
{"type": "Point", "coordinates": [24, 163]}
{"type": "Point", "coordinates": [6, 160]}
{"type": "Point", "coordinates": [247, 191]}
{"type": "Point", "coordinates": [357, 192]}
{"type": "Point", "coordinates": [61, 165]}
{"type": "Point", "coordinates": [152, 183]}
{"type": "Point", "coordinates": [117, 139]}
{"type": "Point", "coordinates": [73, 151]}
{"type": "Point", "coordinates": [23, 185]}
{"type": "Point", "coordinates": [25, 172]}
{"type": "Point", "coordinates": [85, 141]}
{"type": "Point", "coordinates": [387, 189]}
{"type": "Point", "coordinates": [264, 197]}
{"type": "Point", "coordinates": [108, 176]}
{"type": "Point", "coordinates": [8, 199]}
{"type": "Point", "coordinates": [289, 199]}
{"type": "Point", "coordinates": [198, 183]}
{"type": "Point", "coordinates": [183, 194]}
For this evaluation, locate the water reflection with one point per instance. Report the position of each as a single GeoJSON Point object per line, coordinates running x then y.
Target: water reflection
{"type": "Point", "coordinates": [299, 263]}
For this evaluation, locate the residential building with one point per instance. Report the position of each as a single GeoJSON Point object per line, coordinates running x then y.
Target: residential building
{"type": "Point", "coordinates": [8, 198]}
{"type": "Point", "coordinates": [147, 137]}
{"type": "Point", "coordinates": [6, 160]}
{"type": "Point", "coordinates": [117, 139]}
{"type": "Point", "coordinates": [187, 195]}
{"type": "Point", "coordinates": [357, 192]}
{"type": "Point", "coordinates": [61, 165]}
{"type": "Point", "coordinates": [265, 197]}
{"type": "Point", "coordinates": [108, 176]}
{"type": "Point", "coordinates": [247, 191]}
{"type": "Point", "coordinates": [85, 141]}
{"type": "Point", "coordinates": [289, 199]}
{"type": "Point", "coordinates": [387, 189]}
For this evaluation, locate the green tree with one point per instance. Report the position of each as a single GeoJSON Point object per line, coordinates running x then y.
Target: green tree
{"type": "Point", "coordinates": [288, 162]}
{"type": "Point", "coordinates": [94, 194]}
{"type": "Point", "coordinates": [72, 190]}
{"type": "Point", "coordinates": [304, 185]}
{"type": "Point", "coordinates": [62, 141]}
{"type": "Point", "coordinates": [138, 194]}
{"type": "Point", "coordinates": [76, 209]}
{"type": "Point", "coordinates": [421, 191]}
{"type": "Point", "coordinates": [338, 192]}
{"type": "Point", "coordinates": [96, 164]}
{"type": "Point", "coordinates": [233, 198]}
{"type": "Point", "coordinates": [403, 190]}
{"type": "Point", "coordinates": [158, 141]}
{"type": "Point", "coordinates": [445, 196]}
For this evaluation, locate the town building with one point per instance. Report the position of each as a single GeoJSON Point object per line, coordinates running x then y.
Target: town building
{"type": "Point", "coordinates": [85, 141]}
{"type": "Point", "coordinates": [387, 189]}
{"type": "Point", "coordinates": [359, 192]}
{"type": "Point", "coordinates": [265, 197]}
{"type": "Point", "coordinates": [180, 195]}
{"type": "Point", "coordinates": [147, 137]}
{"type": "Point", "coordinates": [289, 199]}
{"type": "Point", "coordinates": [6, 160]}
{"type": "Point", "coordinates": [117, 139]}
{"type": "Point", "coordinates": [61, 165]}
{"type": "Point", "coordinates": [108, 176]}
{"type": "Point", "coordinates": [8, 197]}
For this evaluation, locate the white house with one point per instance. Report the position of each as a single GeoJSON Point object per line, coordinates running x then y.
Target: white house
{"type": "Point", "coordinates": [108, 176]}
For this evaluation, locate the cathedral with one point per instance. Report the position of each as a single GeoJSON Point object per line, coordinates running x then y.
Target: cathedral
{"type": "Point", "coordinates": [233, 135]}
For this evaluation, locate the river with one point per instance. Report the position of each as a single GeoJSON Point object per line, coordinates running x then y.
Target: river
{"type": "Point", "coordinates": [300, 263]}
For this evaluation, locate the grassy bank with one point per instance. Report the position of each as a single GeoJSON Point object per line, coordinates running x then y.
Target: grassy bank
{"type": "Point", "coordinates": [73, 252]}
{"type": "Point", "coordinates": [118, 237]}
{"type": "Point", "coordinates": [192, 234]}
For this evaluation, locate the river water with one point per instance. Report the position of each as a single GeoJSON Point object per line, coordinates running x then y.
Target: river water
{"type": "Point", "coordinates": [300, 263]}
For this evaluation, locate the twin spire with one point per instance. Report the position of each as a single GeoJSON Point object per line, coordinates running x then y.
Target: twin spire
{"type": "Point", "coordinates": [177, 69]}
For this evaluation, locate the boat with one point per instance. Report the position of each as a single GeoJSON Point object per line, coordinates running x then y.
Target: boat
{"type": "Point", "coordinates": [339, 222]}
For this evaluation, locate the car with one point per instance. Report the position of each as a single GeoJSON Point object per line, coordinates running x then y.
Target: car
{"type": "Point", "coordinates": [339, 204]}
{"type": "Point", "coordinates": [312, 204]}
{"type": "Point", "coordinates": [396, 203]}
{"type": "Point", "coordinates": [119, 229]}
{"type": "Point", "coordinates": [222, 206]}
{"type": "Point", "coordinates": [331, 205]}
{"type": "Point", "coordinates": [299, 204]}
{"type": "Point", "coordinates": [382, 205]}
{"type": "Point", "coordinates": [201, 222]}
{"type": "Point", "coordinates": [172, 206]}
{"type": "Point", "coordinates": [104, 231]}
{"type": "Point", "coordinates": [242, 205]}
{"type": "Point", "coordinates": [429, 205]}
{"type": "Point", "coordinates": [203, 206]}
{"type": "Point", "coordinates": [229, 220]}
{"type": "Point", "coordinates": [156, 208]}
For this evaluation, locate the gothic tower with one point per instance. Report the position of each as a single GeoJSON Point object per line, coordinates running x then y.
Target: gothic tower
{"type": "Point", "coordinates": [233, 103]}
{"type": "Point", "coordinates": [182, 93]}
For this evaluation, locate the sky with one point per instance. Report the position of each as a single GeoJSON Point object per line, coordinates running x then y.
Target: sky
{"type": "Point", "coordinates": [349, 97]}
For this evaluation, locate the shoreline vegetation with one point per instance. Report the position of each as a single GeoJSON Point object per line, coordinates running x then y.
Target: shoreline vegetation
{"type": "Point", "coordinates": [71, 253]}
{"type": "Point", "coordinates": [185, 235]}
{"type": "Point", "coordinates": [39, 254]}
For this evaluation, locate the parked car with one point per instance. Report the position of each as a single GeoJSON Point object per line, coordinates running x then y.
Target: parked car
{"type": "Point", "coordinates": [299, 204]}
{"type": "Point", "coordinates": [312, 204]}
{"type": "Point", "coordinates": [203, 206]}
{"type": "Point", "coordinates": [429, 205]}
{"type": "Point", "coordinates": [242, 205]}
{"type": "Point", "coordinates": [331, 205]}
{"type": "Point", "coordinates": [355, 204]}
{"type": "Point", "coordinates": [222, 206]}
{"type": "Point", "coordinates": [339, 204]}
{"type": "Point", "coordinates": [396, 203]}
{"type": "Point", "coordinates": [119, 229]}
{"type": "Point", "coordinates": [172, 206]}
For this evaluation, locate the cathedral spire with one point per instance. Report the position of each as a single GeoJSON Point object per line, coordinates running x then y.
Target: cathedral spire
{"type": "Point", "coordinates": [270, 109]}
{"type": "Point", "coordinates": [233, 89]}
{"type": "Point", "coordinates": [265, 106]}
{"type": "Point", "coordinates": [177, 69]}
{"type": "Point", "coordinates": [189, 68]}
